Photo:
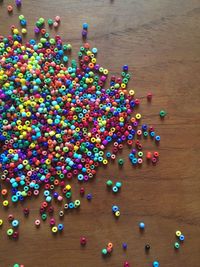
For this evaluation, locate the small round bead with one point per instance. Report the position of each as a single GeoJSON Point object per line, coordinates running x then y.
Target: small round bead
{"type": "Point", "coordinates": [54, 229]}
{"type": "Point", "coordinates": [37, 223]}
{"type": "Point", "coordinates": [85, 26]}
{"type": "Point", "coordinates": [9, 8]}
{"type": "Point", "coordinates": [18, 3]}
{"type": "Point", "coordinates": [118, 184]}
{"type": "Point", "coordinates": [10, 232]}
{"type": "Point", "coordinates": [124, 245]}
{"type": "Point", "coordinates": [141, 226]}
{"type": "Point", "coordinates": [149, 96]}
{"type": "Point", "coordinates": [10, 217]}
{"type": "Point", "coordinates": [176, 245]}
{"type": "Point", "coordinates": [178, 233]}
{"type": "Point", "coordinates": [147, 247]}
{"type": "Point", "coordinates": [181, 237]}
{"type": "Point", "coordinates": [89, 196]}
{"type": "Point", "coordinates": [15, 223]}
{"type": "Point", "coordinates": [126, 264]}
{"type": "Point", "coordinates": [26, 211]}
{"type": "Point", "coordinates": [24, 31]}
{"type": "Point", "coordinates": [83, 241]}
{"type": "Point", "coordinates": [120, 162]}
{"type": "Point", "coordinates": [57, 18]}
{"type": "Point", "coordinates": [60, 227]}
{"type": "Point", "coordinates": [156, 264]}
{"type": "Point", "coordinates": [1, 222]}
{"type": "Point", "coordinates": [162, 113]}
{"type": "Point", "coordinates": [55, 24]}
{"type": "Point", "coordinates": [50, 22]}
{"type": "Point", "coordinates": [5, 203]}
{"type": "Point", "coordinates": [104, 251]}
{"type": "Point", "coordinates": [109, 183]}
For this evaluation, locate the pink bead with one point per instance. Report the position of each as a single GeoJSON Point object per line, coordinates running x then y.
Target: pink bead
{"type": "Point", "coordinates": [55, 24]}
{"type": "Point", "coordinates": [57, 18]}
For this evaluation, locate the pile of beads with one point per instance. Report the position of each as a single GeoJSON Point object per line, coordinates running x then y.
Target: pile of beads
{"type": "Point", "coordinates": [13, 232]}
{"type": "Point", "coordinates": [108, 249]}
{"type": "Point", "coordinates": [116, 187]}
{"type": "Point", "coordinates": [116, 211]}
{"type": "Point", "coordinates": [180, 237]}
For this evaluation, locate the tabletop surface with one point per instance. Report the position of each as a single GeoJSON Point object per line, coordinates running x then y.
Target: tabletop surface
{"type": "Point", "coordinates": [159, 40]}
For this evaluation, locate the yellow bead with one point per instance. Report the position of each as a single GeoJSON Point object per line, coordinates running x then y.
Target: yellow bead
{"type": "Point", "coordinates": [138, 116]}
{"type": "Point", "coordinates": [15, 31]}
{"type": "Point", "coordinates": [178, 233]}
{"type": "Point", "coordinates": [117, 213]}
{"type": "Point", "coordinates": [131, 92]}
{"type": "Point", "coordinates": [68, 187]}
{"type": "Point", "coordinates": [24, 31]}
{"type": "Point", "coordinates": [54, 229]}
{"type": "Point", "coordinates": [5, 203]}
{"type": "Point", "coordinates": [1, 222]}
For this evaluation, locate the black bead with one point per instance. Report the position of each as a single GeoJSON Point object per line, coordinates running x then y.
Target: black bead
{"type": "Point", "coordinates": [147, 247]}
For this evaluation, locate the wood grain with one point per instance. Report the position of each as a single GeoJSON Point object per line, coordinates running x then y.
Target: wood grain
{"type": "Point", "coordinates": [159, 40]}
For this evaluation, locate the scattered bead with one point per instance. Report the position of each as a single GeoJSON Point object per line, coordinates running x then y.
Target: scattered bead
{"type": "Point", "coordinates": [176, 245]}
{"type": "Point", "coordinates": [141, 226]}
{"type": "Point", "coordinates": [156, 264]}
{"type": "Point", "coordinates": [124, 246]}
{"type": "Point", "coordinates": [83, 241]}
{"type": "Point", "coordinates": [9, 8]}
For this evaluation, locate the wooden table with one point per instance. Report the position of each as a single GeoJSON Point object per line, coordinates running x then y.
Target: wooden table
{"type": "Point", "coordinates": [159, 40]}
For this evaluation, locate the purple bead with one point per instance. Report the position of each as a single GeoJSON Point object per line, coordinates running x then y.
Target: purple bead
{"type": "Point", "coordinates": [84, 33]}
{"type": "Point", "coordinates": [36, 30]}
{"type": "Point", "coordinates": [18, 2]}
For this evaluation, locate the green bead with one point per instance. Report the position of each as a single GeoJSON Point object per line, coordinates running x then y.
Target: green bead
{"type": "Point", "coordinates": [109, 183]}
{"type": "Point", "coordinates": [162, 113]}
{"type": "Point", "coordinates": [16, 265]}
{"type": "Point", "coordinates": [120, 161]}
{"type": "Point", "coordinates": [104, 251]}
{"type": "Point", "coordinates": [44, 216]}
{"type": "Point", "coordinates": [50, 22]}
{"type": "Point", "coordinates": [176, 245]}
{"type": "Point", "coordinates": [10, 232]}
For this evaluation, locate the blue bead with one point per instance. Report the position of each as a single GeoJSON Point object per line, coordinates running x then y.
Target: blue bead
{"type": "Point", "coordinates": [181, 237]}
{"type": "Point", "coordinates": [156, 264]}
{"type": "Point", "coordinates": [124, 245]}
{"type": "Point", "coordinates": [115, 208]}
{"type": "Point", "coordinates": [141, 225]}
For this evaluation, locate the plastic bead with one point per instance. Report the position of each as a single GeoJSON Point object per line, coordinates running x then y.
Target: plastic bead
{"type": "Point", "coordinates": [83, 241]}
{"type": "Point", "coordinates": [176, 245]}
{"type": "Point", "coordinates": [141, 226]}
{"type": "Point", "coordinates": [156, 264]}
{"type": "Point", "coordinates": [37, 223]}
{"type": "Point", "coordinates": [9, 8]}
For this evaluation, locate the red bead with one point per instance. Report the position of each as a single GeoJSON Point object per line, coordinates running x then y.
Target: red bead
{"type": "Point", "coordinates": [83, 241]}
{"type": "Point", "coordinates": [149, 96]}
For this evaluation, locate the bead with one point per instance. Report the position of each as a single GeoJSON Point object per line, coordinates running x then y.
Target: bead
{"type": "Point", "coordinates": [37, 223]}
{"type": "Point", "coordinates": [162, 113]}
{"type": "Point", "coordinates": [141, 226]}
{"type": "Point", "coordinates": [115, 189]}
{"type": "Point", "coordinates": [54, 229]}
{"type": "Point", "coordinates": [18, 3]}
{"type": "Point", "coordinates": [109, 183]}
{"type": "Point", "coordinates": [124, 246]}
{"type": "Point", "coordinates": [156, 264]}
{"type": "Point", "coordinates": [5, 203]}
{"type": "Point", "coordinates": [50, 22]}
{"type": "Point", "coordinates": [15, 223]}
{"type": "Point", "coordinates": [181, 237]}
{"type": "Point", "coordinates": [178, 233]}
{"type": "Point", "coordinates": [121, 162]}
{"type": "Point", "coordinates": [9, 8]}
{"type": "Point", "coordinates": [176, 245]}
{"type": "Point", "coordinates": [55, 24]}
{"type": "Point", "coordinates": [10, 217]}
{"type": "Point", "coordinates": [149, 96]}
{"type": "Point", "coordinates": [85, 26]}
{"type": "Point", "coordinates": [126, 264]}
{"type": "Point", "coordinates": [60, 227]}
{"type": "Point", "coordinates": [10, 232]}
{"type": "Point", "coordinates": [1, 222]}
{"type": "Point", "coordinates": [147, 247]}
{"type": "Point", "coordinates": [57, 18]}
{"type": "Point", "coordinates": [26, 211]}
{"type": "Point", "coordinates": [104, 251]}
{"type": "Point", "coordinates": [89, 196]}
{"type": "Point", "coordinates": [83, 241]}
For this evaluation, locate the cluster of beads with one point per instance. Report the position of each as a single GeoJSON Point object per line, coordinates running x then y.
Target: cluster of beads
{"type": "Point", "coordinates": [108, 249]}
